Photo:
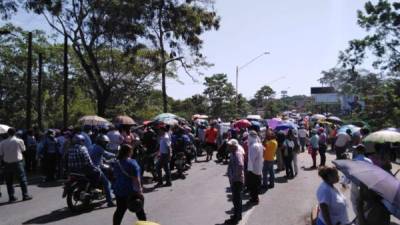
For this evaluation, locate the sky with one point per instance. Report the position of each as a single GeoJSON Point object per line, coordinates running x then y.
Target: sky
{"type": "Point", "coordinates": [303, 38]}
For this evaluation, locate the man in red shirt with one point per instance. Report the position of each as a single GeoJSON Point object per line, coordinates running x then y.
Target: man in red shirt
{"type": "Point", "coordinates": [211, 140]}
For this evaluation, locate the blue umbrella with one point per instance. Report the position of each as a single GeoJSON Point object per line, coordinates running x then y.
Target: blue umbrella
{"type": "Point", "coordinates": [285, 126]}
{"type": "Point", "coordinates": [375, 178]}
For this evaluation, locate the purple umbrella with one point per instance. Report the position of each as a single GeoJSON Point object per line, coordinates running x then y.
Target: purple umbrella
{"type": "Point", "coordinates": [273, 123]}
{"type": "Point", "coordinates": [374, 177]}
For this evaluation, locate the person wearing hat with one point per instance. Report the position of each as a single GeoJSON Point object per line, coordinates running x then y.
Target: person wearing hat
{"type": "Point", "coordinates": [236, 179]}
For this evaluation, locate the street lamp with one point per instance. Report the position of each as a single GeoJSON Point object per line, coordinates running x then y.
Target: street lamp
{"type": "Point", "coordinates": [238, 68]}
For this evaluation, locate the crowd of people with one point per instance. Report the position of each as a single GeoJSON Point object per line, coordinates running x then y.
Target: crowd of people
{"type": "Point", "coordinates": [251, 153]}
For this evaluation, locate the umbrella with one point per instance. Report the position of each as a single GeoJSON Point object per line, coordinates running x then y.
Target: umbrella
{"type": "Point", "coordinates": [273, 123]}
{"type": "Point", "coordinates": [383, 136]}
{"type": "Point", "coordinates": [374, 177]}
{"type": "Point", "coordinates": [354, 129]}
{"type": "Point", "coordinates": [3, 128]}
{"type": "Point", "coordinates": [124, 120]}
{"type": "Point", "coordinates": [254, 117]}
{"type": "Point", "coordinates": [318, 117]}
{"type": "Point", "coordinates": [93, 120]}
{"type": "Point", "coordinates": [201, 122]}
{"type": "Point", "coordinates": [334, 119]}
{"type": "Point", "coordinates": [242, 124]}
{"type": "Point", "coordinates": [392, 129]}
{"type": "Point", "coordinates": [163, 116]}
{"type": "Point", "coordinates": [170, 121]}
{"type": "Point", "coordinates": [286, 126]}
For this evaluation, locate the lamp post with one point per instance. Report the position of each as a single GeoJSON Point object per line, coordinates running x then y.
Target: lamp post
{"type": "Point", "coordinates": [238, 68]}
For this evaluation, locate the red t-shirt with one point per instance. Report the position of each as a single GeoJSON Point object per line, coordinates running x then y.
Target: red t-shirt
{"type": "Point", "coordinates": [211, 135]}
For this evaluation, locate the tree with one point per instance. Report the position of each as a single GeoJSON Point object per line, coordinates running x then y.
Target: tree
{"type": "Point", "coordinates": [94, 26]}
{"type": "Point", "coordinates": [221, 96]}
{"type": "Point", "coordinates": [174, 27]}
{"type": "Point", "coordinates": [263, 94]}
{"type": "Point", "coordinates": [7, 7]}
{"type": "Point", "coordinates": [382, 22]}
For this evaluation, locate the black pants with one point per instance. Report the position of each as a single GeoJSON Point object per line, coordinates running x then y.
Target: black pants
{"type": "Point", "coordinates": [50, 165]}
{"type": "Point", "coordinates": [237, 188]}
{"type": "Point", "coordinates": [10, 171]}
{"type": "Point", "coordinates": [322, 152]}
{"type": "Point", "coordinates": [30, 159]}
{"type": "Point", "coordinates": [163, 163]}
{"type": "Point", "coordinates": [288, 165]}
{"type": "Point", "coordinates": [254, 182]}
{"type": "Point", "coordinates": [340, 152]}
{"type": "Point", "coordinates": [122, 206]}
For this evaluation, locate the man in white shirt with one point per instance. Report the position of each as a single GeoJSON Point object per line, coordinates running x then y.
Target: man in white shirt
{"type": "Point", "coordinates": [11, 152]}
{"type": "Point", "coordinates": [342, 141]}
{"type": "Point", "coordinates": [303, 134]}
{"type": "Point", "coordinates": [254, 165]}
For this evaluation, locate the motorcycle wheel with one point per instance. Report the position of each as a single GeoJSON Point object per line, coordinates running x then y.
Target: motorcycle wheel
{"type": "Point", "coordinates": [75, 204]}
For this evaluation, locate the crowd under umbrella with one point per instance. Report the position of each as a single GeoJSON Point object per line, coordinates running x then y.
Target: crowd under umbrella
{"type": "Point", "coordinates": [4, 128]}
{"type": "Point", "coordinates": [163, 116]}
{"type": "Point", "coordinates": [93, 120]}
{"type": "Point", "coordinates": [286, 126]}
{"type": "Point", "coordinates": [376, 179]}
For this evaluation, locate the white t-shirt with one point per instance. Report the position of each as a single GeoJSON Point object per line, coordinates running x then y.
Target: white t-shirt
{"type": "Point", "coordinates": [342, 140]}
{"type": "Point", "coordinates": [303, 133]}
{"type": "Point", "coordinates": [336, 203]}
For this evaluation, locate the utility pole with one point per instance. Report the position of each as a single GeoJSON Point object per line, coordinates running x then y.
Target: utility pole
{"type": "Point", "coordinates": [65, 84]}
{"type": "Point", "coordinates": [39, 97]}
{"type": "Point", "coordinates": [29, 84]}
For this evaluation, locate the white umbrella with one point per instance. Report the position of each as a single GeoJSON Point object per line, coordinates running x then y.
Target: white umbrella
{"type": "Point", "coordinates": [3, 128]}
{"type": "Point", "coordinates": [318, 117]}
{"type": "Point", "coordinates": [93, 121]}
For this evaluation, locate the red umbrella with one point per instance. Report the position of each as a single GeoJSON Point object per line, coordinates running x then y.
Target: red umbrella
{"type": "Point", "coordinates": [242, 124]}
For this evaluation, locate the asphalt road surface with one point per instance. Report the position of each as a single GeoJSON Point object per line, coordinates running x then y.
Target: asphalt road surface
{"type": "Point", "coordinates": [200, 199]}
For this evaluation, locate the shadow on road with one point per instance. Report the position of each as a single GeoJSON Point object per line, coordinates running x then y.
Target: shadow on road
{"type": "Point", "coordinates": [60, 214]}
{"type": "Point", "coordinates": [281, 180]}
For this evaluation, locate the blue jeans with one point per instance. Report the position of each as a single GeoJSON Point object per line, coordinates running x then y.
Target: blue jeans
{"type": "Point", "coordinates": [12, 169]}
{"type": "Point", "coordinates": [163, 163]}
{"type": "Point", "coordinates": [106, 184]}
{"type": "Point", "coordinates": [319, 222]}
{"type": "Point", "coordinates": [268, 169]}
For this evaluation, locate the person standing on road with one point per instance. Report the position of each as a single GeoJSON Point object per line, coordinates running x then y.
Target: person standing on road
{"type": "Point", "coordinates": [30, 154]}
{"type": "Point", "coordinates": [303, 135]}
{"type": "Point", "coordinates": [11, 150]}
{"type": "Point", "coordinates": [211, 136]}
{"type": "Point", "coordinates": [236, 179]}
{"type": "Point", "coordinates": [165, 157]}
{"type": "Point", "coordinates": [332, 203]}
{"type": "Point", "coordinates": [288, 151]}
{"type": "Point", "coordinates": [322, 145]}
{"type": "Point", "coordinates": [270, 147]}
{"type": "Point", "coordinates": [127, 184]}
{"type": "Point", "coordinates": [254, 165]}
{"type": "Point", "coordinates": [280, 137]}
{"type": "Point", "coordinates": [342, 142]}
{"type": "Point", "coordinates": [49, 150]}
{"type": "Point", "coordinates": [314, 142]}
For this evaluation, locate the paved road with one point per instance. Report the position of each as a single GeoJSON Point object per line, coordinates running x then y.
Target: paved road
{"type": "Point", "coordinates": [200, 199]}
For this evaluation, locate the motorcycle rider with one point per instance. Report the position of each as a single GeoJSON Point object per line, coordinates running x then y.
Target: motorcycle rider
{"type": "Point", "coordinates": [98, 152]}
{"type": "Point", "coordinates": [79, 160]}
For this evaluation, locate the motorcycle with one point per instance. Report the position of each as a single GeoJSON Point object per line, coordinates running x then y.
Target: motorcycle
{"type": "Point", "coordinates": [180, 163]}
{"type": "Point", "coordinates": [146, 160]}
{"type": "Point", "coordinates": [80, 194]}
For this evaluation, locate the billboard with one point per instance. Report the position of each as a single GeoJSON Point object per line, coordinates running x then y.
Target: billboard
{"type": "Point", "coordinates": [326, 95]}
